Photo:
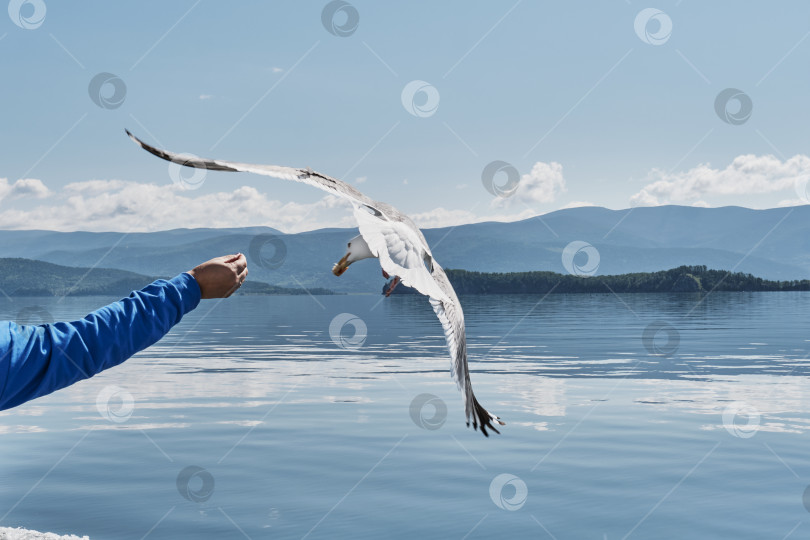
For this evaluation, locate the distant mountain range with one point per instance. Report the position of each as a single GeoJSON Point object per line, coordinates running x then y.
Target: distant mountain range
{"type": "Point", "coordinates": [772, 244]}
{"type": "Point", "coordinates": [25, 277]}
{"type": "Point", "coordinates": [30, 278]}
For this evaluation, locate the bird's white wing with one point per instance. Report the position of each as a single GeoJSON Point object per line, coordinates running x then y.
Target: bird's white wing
{"type": "Point", "coordinates": [391, 235]}
{"type": "Point", "coordinates": [451, 316]}
{"type": "Point", "coordinates": [306, 176]}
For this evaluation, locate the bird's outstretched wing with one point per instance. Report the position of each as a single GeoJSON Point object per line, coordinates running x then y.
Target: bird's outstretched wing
{"type": "Point", "coordinates": [401, 248]}
{"type": "Point", "coordinates": [306, 176]}
{"type": "Point", "coordinates": [389, 233]}
{"type": "Point", "coordinates": [452, 318]}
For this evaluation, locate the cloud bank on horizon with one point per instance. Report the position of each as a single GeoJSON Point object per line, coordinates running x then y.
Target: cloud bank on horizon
{"type": "Point", "coordinates": [746, 175]}
{"type": "Point", "coordinates": [120, 205]}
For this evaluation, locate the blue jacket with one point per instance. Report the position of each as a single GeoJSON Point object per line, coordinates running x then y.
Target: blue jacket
{"type": "Point", "coordinates": [37, 360]}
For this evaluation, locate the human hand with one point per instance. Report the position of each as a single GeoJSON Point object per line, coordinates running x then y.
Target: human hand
{"type": "Point", "coordinates": [220, 277]}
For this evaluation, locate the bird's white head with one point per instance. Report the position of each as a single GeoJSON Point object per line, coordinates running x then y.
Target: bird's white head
{"type": "Point", "coordinates": [358, 250]}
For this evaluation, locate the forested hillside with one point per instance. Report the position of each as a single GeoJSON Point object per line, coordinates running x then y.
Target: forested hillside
{"type": "Point", "coordinates": [681, 279]}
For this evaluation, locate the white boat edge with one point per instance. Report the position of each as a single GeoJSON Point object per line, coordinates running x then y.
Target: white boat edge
{"type": "Point", "coordinates": [10, 533]}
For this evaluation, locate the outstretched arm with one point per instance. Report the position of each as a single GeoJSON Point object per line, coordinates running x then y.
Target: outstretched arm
{"type": "Point", "coordinates": [37, 360]}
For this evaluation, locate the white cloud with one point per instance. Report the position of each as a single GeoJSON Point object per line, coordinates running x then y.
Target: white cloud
{"type": "Point", "coordinates": [116, 205]}
{"type": "Point", "coordinates": [442, 217]}
{"type": "Point", "coordinates": [542, 185]}
{"type": "Point", "coordinates": [94, 187]}
{"type": "Point", "coordinates": [577, 204]}
{"type": "Point", "coordinates": [747, 174]}
{"type": "Point", "coordinates": [277, 70]}
{"type": "Point", "coordinates": [204, 97]}
{"type": "Point", "coordinates": [361, 180]}
{"type": "Point", "coordinates": [643, 198]}
{"type": "Point", "coordinates": [526, 213]}
{"type": "Point", "coordinates": [120, 205]}
{"type": "Point", "coordinates": [25, 187]}
{"type": "Point", "coordinates": [791, 202]}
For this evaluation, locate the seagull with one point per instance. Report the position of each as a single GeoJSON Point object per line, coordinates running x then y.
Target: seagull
{"type": "Point", "coordinates": [390, 236]}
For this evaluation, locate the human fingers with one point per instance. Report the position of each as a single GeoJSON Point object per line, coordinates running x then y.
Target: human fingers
{"type": "Point", "coordinates": [240, 262]}
{"type": "Point", "coordinates": [242, 275]}
{"type": "Point", "coordinates": [240, 279]}
{"type": "Point", "coordinates": [228, 259]}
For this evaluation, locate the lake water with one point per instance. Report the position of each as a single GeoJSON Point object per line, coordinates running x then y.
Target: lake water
{"type": "Point", "coordinates": [628, 416]}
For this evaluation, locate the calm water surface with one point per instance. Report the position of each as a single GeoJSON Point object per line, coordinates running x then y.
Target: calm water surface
{"type": "Point", "coordinates": [629, 416]}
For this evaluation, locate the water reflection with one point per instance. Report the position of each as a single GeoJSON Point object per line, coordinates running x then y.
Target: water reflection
{"type": "Point", "coordinates": [746, 347]}
{"type": "Point", "coordinates": [600, 421]}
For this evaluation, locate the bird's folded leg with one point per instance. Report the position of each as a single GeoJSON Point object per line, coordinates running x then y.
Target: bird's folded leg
{"type": "Point", "coordinates": [385, 274]}
{"type": "Point", "coordinates": [393, 286]}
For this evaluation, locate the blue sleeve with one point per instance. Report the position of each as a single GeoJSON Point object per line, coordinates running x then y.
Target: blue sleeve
{"type": "Point", "coordinates": [37, 360]}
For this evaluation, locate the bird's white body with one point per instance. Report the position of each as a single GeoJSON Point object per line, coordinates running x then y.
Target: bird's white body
{"type": "Point", "coordinates": [358, 249]}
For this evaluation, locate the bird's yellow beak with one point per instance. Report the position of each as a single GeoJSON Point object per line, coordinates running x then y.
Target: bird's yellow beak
{"type": "Point", "coordinates": [341, 265]}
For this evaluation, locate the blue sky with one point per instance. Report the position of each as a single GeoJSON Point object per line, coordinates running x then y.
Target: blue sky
{"type": "Point", "coordinates": [586, 109]}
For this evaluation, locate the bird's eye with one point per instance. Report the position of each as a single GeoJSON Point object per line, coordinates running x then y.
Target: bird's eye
{"type": "Point", "coordinates": [349, 244]}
